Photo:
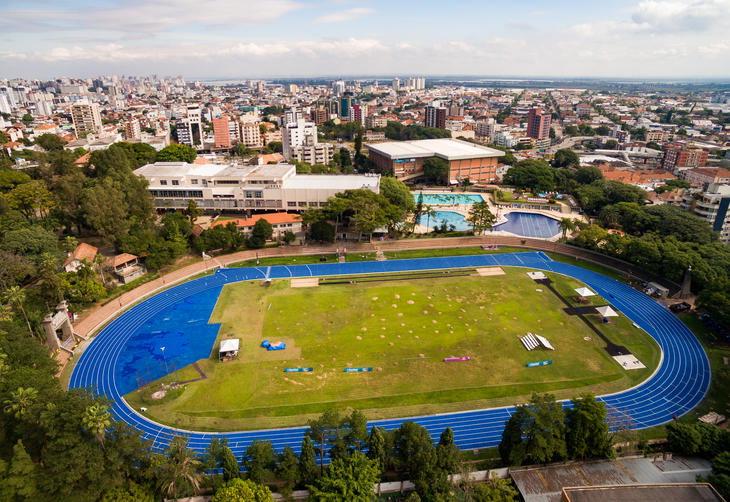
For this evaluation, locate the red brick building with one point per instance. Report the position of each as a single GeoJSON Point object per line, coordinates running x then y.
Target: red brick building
{"type": "Point", "coordinates": [405, 159]}
{"type": "Point", "coordinates": [538, 124]}
{"type": "Point", "coordinates": [677, 155]}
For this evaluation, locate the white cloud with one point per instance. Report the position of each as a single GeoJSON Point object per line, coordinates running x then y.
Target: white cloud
{"type": "Point", "coordinates": [676, 15]}
{"type": "Point", "coordinates": [345, 15]}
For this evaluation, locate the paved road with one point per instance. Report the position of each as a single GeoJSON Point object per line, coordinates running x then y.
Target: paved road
{"type": "Point", "coordinates": [678, 385]}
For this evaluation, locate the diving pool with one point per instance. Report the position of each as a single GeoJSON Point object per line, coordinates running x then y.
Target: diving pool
{"type": "Point", "coordinates": [447, 199]}
{"type": "Point", "coordinates": [529, 225]}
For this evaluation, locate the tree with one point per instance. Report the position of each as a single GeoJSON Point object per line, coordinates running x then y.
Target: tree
{"type": "Point", "coordinates": [495, 490]}
{"type": "Point", "coordinates": [20, 402]}
{"type": "Point", "coordinates": [720, 477]}
{"type": "Point", "coordinates": [132, 492]}
{"type": "Point", "coordinates": [193, 211]}
{"type": "Point", "coordinates": [325, 432]}
{"type": "Point", "coordinates": [15, 297]}
{"type": "Point", "coordinates": [239, 490]}
{"type": "Point", "coordinates": [27, 119]}
{"type": "Point", "coordinates": [480, 217]}
{"type": "Point", "coordinates": [261, 232]}
{"type": "Point", "coordinates": [436, 170]}
{"type": "Point", "coordinates": [321, 231]}
{"type": "Point", "coordinates": [50, 142]}
{"type": "Point", "coordinates": [288, 471]}
{"type": "Point", "coordinates": [345, 160]}
{"type": "Point", "coordinates": [566, 225]}
{"type": "Point", "coordinates": [586, 429]}
{"type": "Point", "coordinates": [259, 461]}
{"type": "Point", "coordinates": [177, 153]}
{"type": "Point", "coordinates": [448, 455]}
{"type": "Point", "coordinates": [180, 473]}
{"type": "Point", "coordinates": [535, 433]}
{"type": "Point", "coordinates": [97, 420]}
{"type": "Point", "coordinates": [21, 480]}
{"type": "Point", "coordinates": [350, 478]}
{"type": "Point", "coordinates": [289, 237]}
{"type": "Point", "coordinates": [307, 461]}
{"type": "Point", "coordinates": [565, 157]}
{"type": "Point", "coordinates": [684, 439]}
{"type": "Point", "coordinates": [377, 448]}
{"type": "Point", "coordinates": [417, 460]}
{"type": "Point", "coordinates": [398, 195]}
{"type": "Point", "coordinates": [587, 175]}
{"type": "Point", "coordinates": [532, 174]}
{"type": "Point", "coordinates": [31, 199]}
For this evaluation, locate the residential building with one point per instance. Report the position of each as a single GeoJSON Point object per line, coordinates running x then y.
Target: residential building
{"type": "Point", "coordinates": [373, 136]}
{"type": "Point", "coordinates": [190, 127]}
{"type": "Point", "coordinates": [405, 159]}
{"type": "Point", "coordinates": [373, 121]}
{"type": "Point", "coordinates": [313, 152]}
{"type": "Point", "coordinates": [217, 187]}
{"type": "Point", "coordinates": [681, 156]}
{"type": "Point", "coordinates": [504, 139]}
{"type": "Point", "coordinates": [435, 116]}
{"type": "Point", "coordinates": [251, 134]}
{"type": "Point", "coordinates": [358, 112]}
{"type": "Point", "coordinates": [538, 124]}
{"type": "Point", "coordinates": [280, 223]}
{"type": "Point", "coordinates": [319, 115]}
{"type": "Point", "coordinates": [222, 132]}
{"type": "Point", "coordinates": [703, 176]}
{"type": "Point", "coordinates": [82, 253]}
{"type": "Point", "coordinates": [86, 118]}
{"type": "Point", "coordinates": [658, 135]}
{"type": "Point", "coordinates": [712, 206]}
{"type": "Point", "coordinates": [396, 84]}
{"type": "Point", "coordinates": [486, 129]}
{"type": "Point", "coordinates": [293, 135]}
{"type": "Point", "coordinates": [132, 129]}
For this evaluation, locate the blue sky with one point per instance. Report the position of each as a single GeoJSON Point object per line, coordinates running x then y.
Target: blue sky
{"type": "Point", "coordinates": [266, 38]}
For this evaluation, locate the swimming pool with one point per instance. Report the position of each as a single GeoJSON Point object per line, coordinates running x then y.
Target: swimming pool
{"type": "Point", "coordinates": [529, 225]}
{"type": "Point", "coordinates": [447, 199]}
{"type": "Point", "coordinates": [451, 218]}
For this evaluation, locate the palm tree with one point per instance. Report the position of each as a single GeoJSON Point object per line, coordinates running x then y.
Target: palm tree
{"type": "Point", "coordinates": [181, 474]}
{"type": "Point", "coordinates": [20, 401]}
{"type": "Point", "coordinates": [428, 211]}
{"type": "Point", "coordinates": [15, 297]}
{"type": "Point", "coordinates": [97, 420]}
{"type": "Point", "coordinates": [99, 260]}
{"type": "Point", "coordinates": [566, 225]}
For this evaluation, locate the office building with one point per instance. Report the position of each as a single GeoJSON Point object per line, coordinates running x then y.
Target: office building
{"type": "Point", "coordinates": [291, 116]}
{"type": "Point", "coordinates": [396, 84]}
{"type": "Point", "coordinates": [345, 103]}
{"type": "Point", "coordinates": [338, 87]}
{"type": "Point", "coordinates": [218, 187]}
{"type": "Point", "coordinates": [86, 118]}
{"type": "Point", "coordinates": [358, 113]}
{"type": "Point", "coordinates": [538, 124]}
{"type": "Point", "coordinates": [132, 129]}
{"type": "Point", "coordinates": [405, 159]}
{"type": "Point", "coordinates": [190, 127]}
{"type": "Point", "coordinates": [486, 129]}
{"type": "Point", "coordinates": [294, 134]}
{"type": "Point", "coordinates": [435, 116]}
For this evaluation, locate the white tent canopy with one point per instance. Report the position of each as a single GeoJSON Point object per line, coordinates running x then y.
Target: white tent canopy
{"type": "Point", "coordinates": [229, 348]}
{"type": "Point", "coordinates": [607, 311]}
{"type": "Point", "coordinates": [584, 292]}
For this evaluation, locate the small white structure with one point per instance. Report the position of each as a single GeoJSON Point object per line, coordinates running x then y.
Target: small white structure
{"type": "Point", "coordinates": [536, 276]}
{"type": "Point", "coordinates": [228, 348]}
{"type": "Point", "coordinates": [584, 292]}
{"type": "Point", "coordinates": [606, 311]}
{"type": "Point", "coordinates": [532, 341]}
{"type": "Point", "coordinates": [59, 332]}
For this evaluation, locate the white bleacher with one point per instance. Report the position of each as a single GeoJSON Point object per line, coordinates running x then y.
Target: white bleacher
{"type": "Point", "coordinates": [531, 342]}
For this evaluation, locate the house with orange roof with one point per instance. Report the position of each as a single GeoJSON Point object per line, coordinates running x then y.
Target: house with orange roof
{"type": "Point", "coordinates": [126, 267]}
{"type": "Point", "coordinates": [83, 253]}
{"type": "Point", "coordinates": [281, 223]}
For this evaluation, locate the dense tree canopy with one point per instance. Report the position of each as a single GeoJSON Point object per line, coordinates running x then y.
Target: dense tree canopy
{"type": "Point", "coordinates": [177, 153]}
{"type": "Point", "coordinates": [535, 175]}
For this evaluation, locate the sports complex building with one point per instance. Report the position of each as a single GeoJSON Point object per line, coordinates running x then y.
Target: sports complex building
{"type": "Point", "coordinates": [233, 187]}
{"type": "Point", "coordinates": [405, 159]}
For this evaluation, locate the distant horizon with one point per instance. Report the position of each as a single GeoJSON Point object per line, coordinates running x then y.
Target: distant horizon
{"type": "Point", "coordinates": [622, 39]}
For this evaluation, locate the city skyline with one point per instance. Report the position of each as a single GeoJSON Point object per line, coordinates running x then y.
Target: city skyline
{"type": "Point", "coordinates": [290, 38]}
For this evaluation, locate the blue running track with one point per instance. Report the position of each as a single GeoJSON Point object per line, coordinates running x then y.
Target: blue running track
{"type": "Point", "coordinates": [127, 352]}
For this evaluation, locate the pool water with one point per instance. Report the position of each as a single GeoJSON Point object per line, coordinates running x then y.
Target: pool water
{"type": "Point", "coordinates": [447, 199]}
{"type": "Point", "coordinates": [457, 220]}
{"type": "Point", "coordinates": [529, 225]}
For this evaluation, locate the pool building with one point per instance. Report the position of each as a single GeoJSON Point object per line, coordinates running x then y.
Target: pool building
{"type": "Point", "coordinates": [466, 160]}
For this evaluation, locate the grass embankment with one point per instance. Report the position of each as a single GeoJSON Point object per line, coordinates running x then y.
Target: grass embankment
{"type": "Point", "coordinates": [403, 329]}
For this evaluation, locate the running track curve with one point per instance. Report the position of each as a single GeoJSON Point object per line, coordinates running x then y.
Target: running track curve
{"type": "Point", "coordinates": [678, 385]}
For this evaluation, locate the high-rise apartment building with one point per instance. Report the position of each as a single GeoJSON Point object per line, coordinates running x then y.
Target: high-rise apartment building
{"type": "Point", "coordinates": [435, 116]}
{"type": "Point", "coordinates": [486, 129]}
{"type": "Point", "coordinates": [221, 132]}
{"type": "Point", "coordinates": [312, 152]}
{"type": "Point", "coordinates": [319, 115]}
{"type": "Point", "coordinates": [86, 118]}
{"type": "Point", "coordinates": [681, 156]}
{"type": "Point", "coordinates": [251, 134]}
{"type": "Point", "coordinates": [132, 129]}
{"type": "Point", "coordinates": [358, 113]}
{"type": "Point", "coordinates": [396, 84]}
{"type": "Point", "coordinates": [538, 124]}
{"type": "Point", "coordinates": [293, 135]}
{"type": "Point", "coordinates": [190, 127]}
{"type": "Point", "coordinates": [713, 206]}
{"type": "Point", "coordinates": [338, 87]}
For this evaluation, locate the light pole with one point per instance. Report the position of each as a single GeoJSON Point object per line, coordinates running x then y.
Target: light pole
{"type": "Point", "coordinates": [167, 370]}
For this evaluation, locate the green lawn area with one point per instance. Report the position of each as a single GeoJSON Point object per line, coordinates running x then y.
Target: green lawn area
{"type": "Point", "coordinates": [403, 329]}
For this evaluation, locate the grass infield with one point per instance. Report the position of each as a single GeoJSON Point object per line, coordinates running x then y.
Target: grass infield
{"type": "Point", "coordinates": [402, 326]}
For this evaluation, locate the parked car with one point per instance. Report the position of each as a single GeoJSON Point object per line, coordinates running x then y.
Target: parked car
{"type": "Point", "coordinates": [680, 307]}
